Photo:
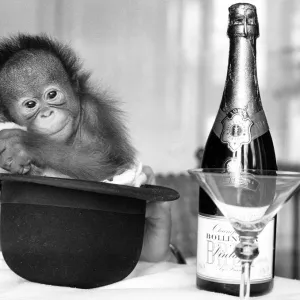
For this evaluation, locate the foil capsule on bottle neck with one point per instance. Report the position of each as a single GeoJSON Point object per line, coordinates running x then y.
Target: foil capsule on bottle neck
{"type": "Point", "coordinates": [243, 21]}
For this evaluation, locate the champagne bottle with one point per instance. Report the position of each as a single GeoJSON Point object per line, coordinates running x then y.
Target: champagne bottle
{"type": "Point", "coordinates": [240, 138]}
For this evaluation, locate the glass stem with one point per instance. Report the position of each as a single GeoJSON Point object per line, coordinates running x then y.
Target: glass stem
{"type": "Point", "coordinates": [246, 251]}
{"type": "Point", "coordinates": [245, 280]}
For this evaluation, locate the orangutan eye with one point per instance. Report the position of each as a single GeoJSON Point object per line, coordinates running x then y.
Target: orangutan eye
{"type": "Point", "coordinates": [52, 94]}
{"type": "Point", "coordinates": [30, 104]}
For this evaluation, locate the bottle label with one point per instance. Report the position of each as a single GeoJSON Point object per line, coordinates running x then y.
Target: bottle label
{"type": "Point", "coordinates": [216, 259]}
{"type": "Point", "coordinates": [237, 128]}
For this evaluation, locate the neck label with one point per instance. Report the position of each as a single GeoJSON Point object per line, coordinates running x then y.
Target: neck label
{"type": "Point", "coordinates": [237, 128]}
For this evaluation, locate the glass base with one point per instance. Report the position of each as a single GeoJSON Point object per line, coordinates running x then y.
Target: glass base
{"type": "Point", "coordinates": [257, 289]}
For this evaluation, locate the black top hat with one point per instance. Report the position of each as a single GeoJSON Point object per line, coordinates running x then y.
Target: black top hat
{"type": "Point", "coordinates": [73, 232]}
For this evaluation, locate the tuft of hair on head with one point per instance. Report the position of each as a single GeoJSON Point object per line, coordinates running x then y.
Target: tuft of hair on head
{"type": "Point", "coordinates": [10, 46]}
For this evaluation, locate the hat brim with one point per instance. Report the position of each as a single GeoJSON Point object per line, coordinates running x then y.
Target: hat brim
{"type": "Point", "coordinates": [145, 192]}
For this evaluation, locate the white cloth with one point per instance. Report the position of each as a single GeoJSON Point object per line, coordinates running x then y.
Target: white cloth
{"type": "Point", "coordinates": [133, 177]}
{"type": "Point", "coordinates": [10, 125]}
{"type": "Point", "coordinates": [148, 281]}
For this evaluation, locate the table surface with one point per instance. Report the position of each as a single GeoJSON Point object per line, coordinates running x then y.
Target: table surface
{"type": "Point", "coordinates": [148, 281]}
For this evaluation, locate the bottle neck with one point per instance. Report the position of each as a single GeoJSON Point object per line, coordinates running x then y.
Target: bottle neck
{"type": "Point", "coordinates": [241, 87]}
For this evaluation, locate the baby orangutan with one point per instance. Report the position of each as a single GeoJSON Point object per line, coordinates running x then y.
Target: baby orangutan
{"type": "Point", "coordinates": [71, 127]}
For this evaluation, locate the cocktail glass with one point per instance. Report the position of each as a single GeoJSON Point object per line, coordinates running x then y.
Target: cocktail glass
{"type": "Point", "coordinates": [249, 199]}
